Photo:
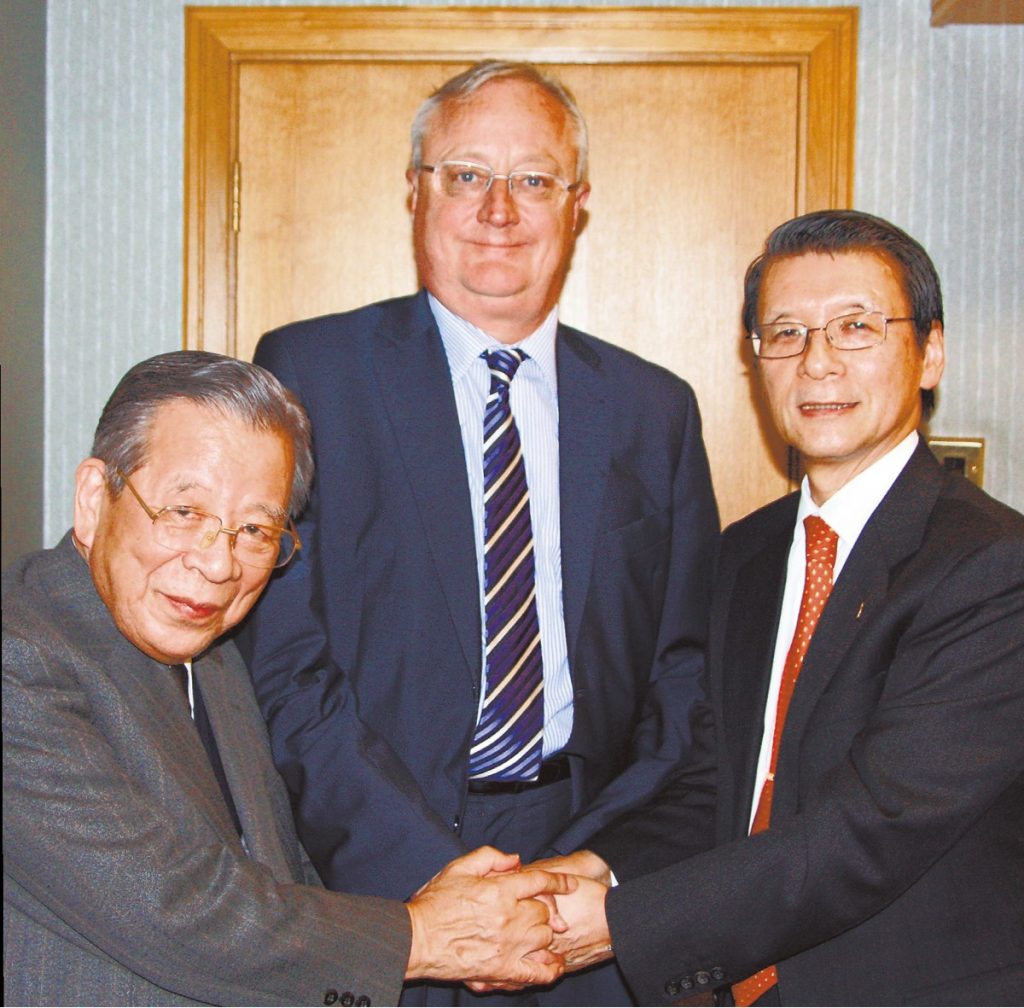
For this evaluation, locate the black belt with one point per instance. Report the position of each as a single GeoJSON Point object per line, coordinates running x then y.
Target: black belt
{"type": "Point", "coordinates": [552, 770]}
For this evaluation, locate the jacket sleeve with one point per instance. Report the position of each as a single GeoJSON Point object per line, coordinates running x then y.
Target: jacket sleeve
{"type": "Point", "coordinates": [671, 701]}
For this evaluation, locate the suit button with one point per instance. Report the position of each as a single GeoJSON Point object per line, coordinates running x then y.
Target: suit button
{"type": "Point", "coordinates": [717, 973]}
{"type": "Point", "coordinates": [330, 996]}
{"type": "Point", "coordinates": [456, 824]}
{"type": "Point", "coordinates": [347, 999]}
{"type": "Point", "coordinates": [362, 1001]}
{"type": "Point", "coordinates": [703, 978]}
{"type": "Point", "coordinates": [686, 983]}
{"type": "Point", "coordinates": [672, 988]}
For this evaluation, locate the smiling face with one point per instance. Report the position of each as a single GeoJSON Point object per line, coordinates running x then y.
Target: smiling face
{"type": "Point", "coordinates": [496, 263]}
{"type": "Point", "coordinates": [172, 605]}
{"type": "Point", "coordinates": [844, 409]}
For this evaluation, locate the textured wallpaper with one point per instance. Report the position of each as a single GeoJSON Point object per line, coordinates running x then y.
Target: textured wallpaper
{"type": "Point", "coordinates": [940, 142]}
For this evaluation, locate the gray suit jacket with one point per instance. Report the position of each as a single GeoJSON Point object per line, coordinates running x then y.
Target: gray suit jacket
{"type": "Point", "coordinates": [125, 881]}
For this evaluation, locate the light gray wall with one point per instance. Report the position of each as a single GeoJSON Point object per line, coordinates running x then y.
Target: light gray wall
{"type": "Point", "coordinates": [22, 180]}
{"type": "Point", "coordinates": [940, 141]}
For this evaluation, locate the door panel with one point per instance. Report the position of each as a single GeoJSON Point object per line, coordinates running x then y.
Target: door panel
{"type": "Point", "coordinates": [324, 222]}
{"type": "Point", "coordinates": [705, 131]}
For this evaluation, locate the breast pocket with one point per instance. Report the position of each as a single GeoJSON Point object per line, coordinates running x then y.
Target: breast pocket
{"type": "Point", "coordinates": [648, 533]}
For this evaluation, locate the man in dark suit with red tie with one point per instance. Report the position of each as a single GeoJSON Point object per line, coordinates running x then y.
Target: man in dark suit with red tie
{"type": "Point", "coordinates": [866, 682]}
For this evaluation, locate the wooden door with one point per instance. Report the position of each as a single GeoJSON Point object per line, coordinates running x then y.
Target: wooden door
{"type": "Point", "coordinates": [707, 128]}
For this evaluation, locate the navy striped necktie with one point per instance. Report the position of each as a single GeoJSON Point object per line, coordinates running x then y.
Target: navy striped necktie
{"type": "Point", "coordinates": [509, 737]}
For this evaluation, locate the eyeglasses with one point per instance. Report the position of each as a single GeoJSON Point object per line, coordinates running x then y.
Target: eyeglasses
{"type": "Point", "coordinates": [859, 331]}
{"type": "Point", "coordinates": [182, 528]}
{"type": "Point", "coordinates": [469, 181]}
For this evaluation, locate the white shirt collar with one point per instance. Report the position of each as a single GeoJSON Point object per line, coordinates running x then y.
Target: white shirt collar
{"type": "Point", "coordinates": [849, 508]}
{"type": "Point", "coordinates": [464, 342]}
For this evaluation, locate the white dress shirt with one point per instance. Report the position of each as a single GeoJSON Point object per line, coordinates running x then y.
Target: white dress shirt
{"type": "Point", "coordinates": [190, 689]}
{"type": "Point", "coordinates": [846, 512]}
{"type": "Point", "coordinates": [533, 396]}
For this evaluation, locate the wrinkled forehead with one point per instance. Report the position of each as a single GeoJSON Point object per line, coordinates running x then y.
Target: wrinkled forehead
{"type": "Point", "coordinates": [212, 447]}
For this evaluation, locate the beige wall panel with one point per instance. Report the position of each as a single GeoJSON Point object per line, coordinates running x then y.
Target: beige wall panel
{"type": "Point", "coordinates": [691, 165]}
{"type": "Point", "coordinates": [323, 149]}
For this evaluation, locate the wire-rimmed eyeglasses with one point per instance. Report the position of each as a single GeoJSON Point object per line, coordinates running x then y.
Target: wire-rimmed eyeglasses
{"type": "Point", "coordinates": [182, 528]}
{"type": "Point", "coordinates": [859, 331]}
{"type": "Point", "coordinates": [470, 181]}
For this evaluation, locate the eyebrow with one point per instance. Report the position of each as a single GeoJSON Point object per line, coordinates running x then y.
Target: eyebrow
{"type": "Point", "coordinates": [851, 309]}
{"type": "Point", "coordinates": [278, 515]}
{"type": "Point", "coordinates": [479, 159]}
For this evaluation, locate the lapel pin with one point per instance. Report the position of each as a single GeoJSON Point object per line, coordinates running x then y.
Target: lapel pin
{"type": "Point", "coordinates": [859, 611]}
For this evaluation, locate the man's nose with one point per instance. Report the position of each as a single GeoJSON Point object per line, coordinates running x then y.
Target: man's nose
{"type": "Point", "coordinates": [217, 561]}
{"type": "Point", "coordinates": [820, 358]}
{"type": "Point", "coordinates": [498, 207]}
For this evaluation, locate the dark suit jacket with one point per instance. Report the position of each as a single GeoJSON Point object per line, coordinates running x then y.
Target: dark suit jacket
{"type": "Point", "coordinates": [125, 881]}
{"type": "Point", "coordinates": [380, 615]}
{"type": "Point", "coordinates": [893, 871]}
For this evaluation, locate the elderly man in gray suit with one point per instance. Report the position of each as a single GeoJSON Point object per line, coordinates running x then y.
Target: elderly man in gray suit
{"type": "Point", "coordinates": [149, 851]}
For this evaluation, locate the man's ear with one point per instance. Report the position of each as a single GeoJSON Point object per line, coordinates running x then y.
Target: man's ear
{"type": "Point", "coordinates": [578, 203]}
{"type": "Point", "coordinates": [934, 357]}
{"type": "Point", "coordinates": [413, 178]}
{"type": "Point", "coordinates": [91, 496]}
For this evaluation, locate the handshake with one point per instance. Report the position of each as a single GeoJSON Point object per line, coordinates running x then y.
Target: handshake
{"type": "Point", "coordinates": [495, 924]}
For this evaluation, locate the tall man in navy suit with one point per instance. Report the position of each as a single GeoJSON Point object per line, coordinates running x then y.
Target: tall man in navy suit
{"type": "Point", "coordinates": [868, 698]}
{"type": "Point", "coordinates": [390, 608]}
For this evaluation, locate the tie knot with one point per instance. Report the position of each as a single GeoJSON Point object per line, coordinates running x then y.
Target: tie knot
{"type": "Point", "coordinates": [822, 540]}
{"type": "Point", "coordinates": [504, 363]}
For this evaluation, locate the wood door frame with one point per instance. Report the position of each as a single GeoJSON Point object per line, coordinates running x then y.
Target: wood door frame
{"type": "Point", "coordinates": [820, 43]}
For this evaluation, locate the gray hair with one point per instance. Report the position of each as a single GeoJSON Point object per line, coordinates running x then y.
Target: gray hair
{"type": "Point", "coordinates": [230, 386]}
{"type": "Point", "coordinates": [462, 86]}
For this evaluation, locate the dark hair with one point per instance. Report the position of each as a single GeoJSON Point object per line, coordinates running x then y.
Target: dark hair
{"type": "Point", "coordinates": [213, 381]}
{"type": "Point", "coordinates": [463, 85]}
{"type": "Point", "coordinates": [833, 231]}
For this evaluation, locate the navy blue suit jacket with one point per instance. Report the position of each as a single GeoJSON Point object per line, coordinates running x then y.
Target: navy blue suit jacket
{"type": "Point", "coordinates": [893, 870]}
{"type": "Point", "coordinates": [366, 650]}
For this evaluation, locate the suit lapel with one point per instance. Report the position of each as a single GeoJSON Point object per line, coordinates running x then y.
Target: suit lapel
{"type": "Point", "coordinates": [416, 390]}
{"type": "Point", "coordinates": [162, 710]}
{"type": "Point", "coordinates": [169, 751]}
{"type": "Point", "coordinates": [584, 450]}
{"type": "Point", "coordinates": [169, 747]}
{"type": "Point", "coordinates": [893, 533]}
{"type": "Point", "coordinates": [241, 743]}
{"type": "Point", "coordinates": [748, 648]}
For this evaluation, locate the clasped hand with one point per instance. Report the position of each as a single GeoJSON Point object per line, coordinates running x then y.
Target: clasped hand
{"type": "Point", "coordinates": [483, 919]}
{"type": "Point", "coordinates": [495, 925]}
{"type": "Point", "coordinates": [582, 939]}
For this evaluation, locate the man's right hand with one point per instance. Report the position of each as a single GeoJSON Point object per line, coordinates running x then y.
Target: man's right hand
{"type": "Point", "coordinates": [584, 863]}
{"type": "Point", "coordinates": [478, 920]}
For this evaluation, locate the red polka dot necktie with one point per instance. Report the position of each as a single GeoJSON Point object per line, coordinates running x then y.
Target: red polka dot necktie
{"type": "Point", "coordinates": [821, 558]}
